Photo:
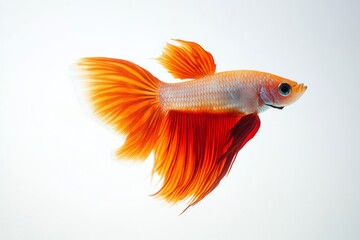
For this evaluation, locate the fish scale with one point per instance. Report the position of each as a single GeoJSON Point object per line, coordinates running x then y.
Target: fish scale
{"type": "Point", "coordinates": [222, 92]}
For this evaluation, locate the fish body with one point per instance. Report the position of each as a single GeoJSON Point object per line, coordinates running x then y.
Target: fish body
{"type": "Point", "coordinates": [195, 127]}
{"type": "Point", "coordinates": [224, 92]}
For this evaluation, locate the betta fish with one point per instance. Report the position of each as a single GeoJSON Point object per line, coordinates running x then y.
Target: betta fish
{"type": "Point", "coordinates": [195, 127]}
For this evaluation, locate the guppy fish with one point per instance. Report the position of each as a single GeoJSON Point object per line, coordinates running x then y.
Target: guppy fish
{"type": "Point", "coordinates": [195, 128]}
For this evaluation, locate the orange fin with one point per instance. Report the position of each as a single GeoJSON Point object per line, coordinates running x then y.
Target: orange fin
{"type": "Point", "coordinates": [195, 151]}
{"type": "Point", "coordinates": [187, 60]}
{"type": "Point", "coordinates": [125, 96]}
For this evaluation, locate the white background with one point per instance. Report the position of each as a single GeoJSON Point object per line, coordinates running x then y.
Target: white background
{"type": "Point", "coordinates": [297, 179]}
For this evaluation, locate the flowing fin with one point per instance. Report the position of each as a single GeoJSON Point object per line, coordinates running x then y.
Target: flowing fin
{"type": "Point", "coordinates": [187, 60]}
{"type": "Point", "coordinates": [195, 151]}
{"type": "Point", "coordinates": [125, 96]}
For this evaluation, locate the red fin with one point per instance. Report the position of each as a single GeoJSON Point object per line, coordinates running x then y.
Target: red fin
{"type": "Point", "coordinates": [195, 151]}
{"type": "Point", "coordinates": [125, 96]}
{"type": "Point", "coordinates": [187, 60]}
{"type": "Point", "coordinates": [243, 131]}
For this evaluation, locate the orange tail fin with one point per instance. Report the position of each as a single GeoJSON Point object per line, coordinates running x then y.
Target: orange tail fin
{"type": "Point", "coordinates": [125, 96]}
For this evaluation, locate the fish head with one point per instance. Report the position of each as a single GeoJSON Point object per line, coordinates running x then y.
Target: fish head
{"type": "Point", "coordinates": [279, 92]}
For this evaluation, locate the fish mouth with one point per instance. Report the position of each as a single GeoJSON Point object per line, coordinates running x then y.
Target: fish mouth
{"type": "Point", "coordinates": [301, 88]}
{"type": "Point", "coordinates": [280, 108]}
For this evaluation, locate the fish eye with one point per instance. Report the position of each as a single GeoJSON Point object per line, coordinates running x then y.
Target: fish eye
{"type": "Point", "coordinates": [284, 89]}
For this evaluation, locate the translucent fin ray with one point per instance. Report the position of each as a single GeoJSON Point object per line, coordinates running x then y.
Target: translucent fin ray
{"type": "Point", "coordinates": [195, 151]}
{"type": "Point", "coordinates": [187, 60]}
{"type": "Point", "coordinates": [124, 96]}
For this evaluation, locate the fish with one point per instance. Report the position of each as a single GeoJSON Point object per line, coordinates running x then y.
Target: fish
{"type": "Point", "coordinates": [195, 126]}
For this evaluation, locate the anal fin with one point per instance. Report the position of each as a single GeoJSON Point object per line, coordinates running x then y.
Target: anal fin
{"type": "Point", "coordinates": [195, 151]}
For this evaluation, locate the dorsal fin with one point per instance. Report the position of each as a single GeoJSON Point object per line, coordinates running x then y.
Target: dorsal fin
{"type": "Point", "coordinates": [187, 60]}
